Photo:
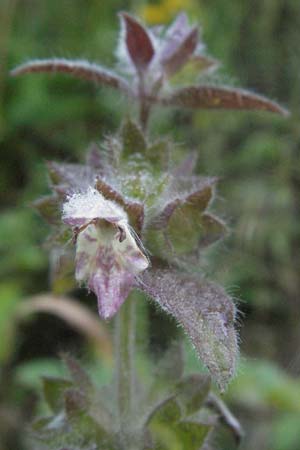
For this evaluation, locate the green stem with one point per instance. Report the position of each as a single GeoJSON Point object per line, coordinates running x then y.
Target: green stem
{"type": "Point", "coordinates": [124, 352]}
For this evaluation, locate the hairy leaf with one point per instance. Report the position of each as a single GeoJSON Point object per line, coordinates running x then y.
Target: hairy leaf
{"type": "Point", "coordinates": [215, 229]}
{"type": "Point", "coordinates": [177, 54]}
{"type": "Point", "coordinates": [49, 208]}
{"type": "Point", "coordinates": [135, 210]}
{"type": "Point", "coordinates": [69, 178]}
{"type": "Point", "coordinates": [132, 138]}
{"type": "Point", "coordinates": [94, 158]}
{"type": "Point", "coordinates": [214, 97]}
{"type": "Point", "coordinates": [206, 313]}
{"type": "Point", "coordinates": [185, 216]}
{"type": "Point", "coordinates": [76, 68]}
{"type": "Point", "coordinates": [186, 207]}
{"type": "Point", "coordinates": [138, 42]}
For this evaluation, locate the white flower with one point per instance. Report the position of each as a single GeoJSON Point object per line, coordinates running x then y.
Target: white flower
{"type": "Point", "coordinates": [107, 255]}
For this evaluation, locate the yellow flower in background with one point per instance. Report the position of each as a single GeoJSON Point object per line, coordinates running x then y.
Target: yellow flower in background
{"type": "Point", "coordinates": [164, 11]}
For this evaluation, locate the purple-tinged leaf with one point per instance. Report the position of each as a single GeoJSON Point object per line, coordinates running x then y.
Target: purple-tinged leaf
{"type": "Point", "coordinates": [49, 208]}
{"type": "Point", "coordinates": [176, 54]}
{"type": "Point", "coordinates": [215, 229]}
{"type": "Point", "coordinates": [136, 214]}
{"type": "Point", "coordinates": [214, 97]}
{"type": "Point", "coordinates": [179, 26]}
{"type": "Point", "coordinates": [206, 313]}
{"type": "Point", "coordinates": [161, 220]}
{"type": "Point", "coordinates": [76, 68]}
{"type": "Point", "coordinates": [135, 210]}
{"type": "Point", "coordinates": [70, 178]}
{"type": "Point", "coordinates": [192, 203]}
{"type": "Point", "coordinates": [138, 42]}
{"type": "Point", "coordinates": [94, 157]}
{"type": "Point", "coordinates": [109, 192]}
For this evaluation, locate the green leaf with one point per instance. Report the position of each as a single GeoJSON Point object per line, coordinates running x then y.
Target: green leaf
{"type": "Point", "coordinates": [192, 434]}
{"type": "Point", "coordinates": [53, 389]}
{"type": "Point", "coordinates": [191, 392]}
{"type": "Point", "coordinates": [132, 138]}
{"type": "Point", "coordinates": [206, 313]}
{"type": "Point", "coordinates": [49, 208]}
{"type": "Point", "coordinates": [214, 230]}
{"type": "Point", "coordinates": [81, 420]}
{"type": "Point", "coordinates": [182, 217]}
{"type": "Point", "coordinates": [158, 154]}
{"type": "Point", "coordinates": [168, 411]}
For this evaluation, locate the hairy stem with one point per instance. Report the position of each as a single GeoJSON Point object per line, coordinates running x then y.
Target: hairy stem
{"type": "Point", "coordinates": [144, 106]}
{"type": "Point", "coordinates": [124, 354]}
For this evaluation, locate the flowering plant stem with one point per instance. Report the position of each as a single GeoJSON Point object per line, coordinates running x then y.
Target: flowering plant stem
{"type": "Point", "coordinates": [125, 326]}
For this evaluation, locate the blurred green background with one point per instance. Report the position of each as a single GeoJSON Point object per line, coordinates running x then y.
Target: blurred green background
{"type": "Point", "coordinates": [256, 156]}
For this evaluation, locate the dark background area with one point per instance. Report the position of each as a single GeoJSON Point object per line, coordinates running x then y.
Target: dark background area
{"type": "Point", "coordinates": [256, 156]}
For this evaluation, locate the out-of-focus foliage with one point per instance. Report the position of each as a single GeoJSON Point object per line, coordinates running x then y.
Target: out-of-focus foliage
{"type": "Point", "coordinates": [256, 157]}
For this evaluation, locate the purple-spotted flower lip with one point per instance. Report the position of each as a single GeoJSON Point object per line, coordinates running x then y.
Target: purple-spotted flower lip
{"type": "Point", "coordinates": [108, 258]}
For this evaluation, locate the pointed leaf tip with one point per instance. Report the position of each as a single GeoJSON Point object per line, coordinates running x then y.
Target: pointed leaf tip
{"type": "Point", "coordinates": [214, 97]}
{"type": "Point", "coordinates": [138, 42]}
{"type": "Point", "coordinates": [176, 54]}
